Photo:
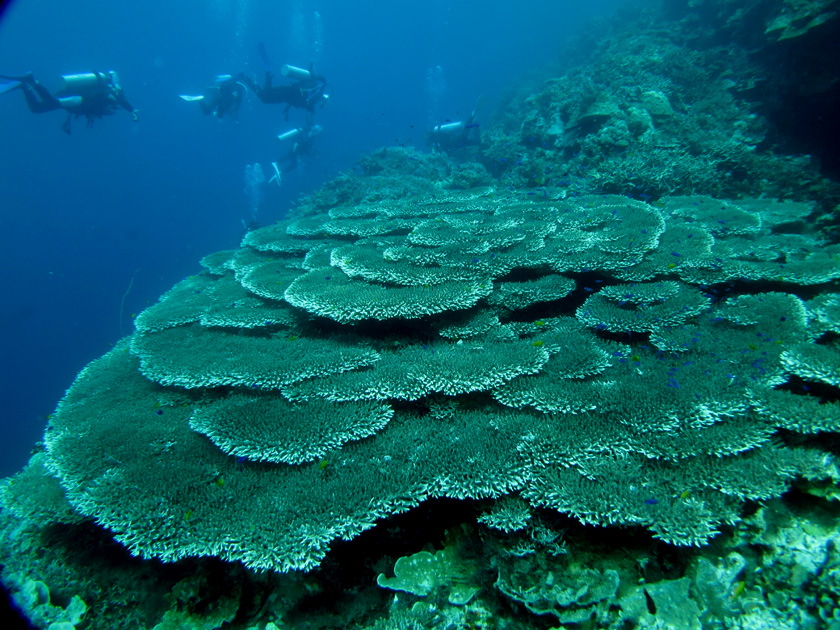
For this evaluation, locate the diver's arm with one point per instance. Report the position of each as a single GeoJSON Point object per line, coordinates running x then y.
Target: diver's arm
{"type": "Point", "coordinates": [122, 101]}
{"type": "Point", "coordinates": [248, 82]}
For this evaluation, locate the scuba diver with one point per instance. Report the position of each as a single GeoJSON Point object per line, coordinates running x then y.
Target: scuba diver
{"type": "Point", "coordinates": [305, 92]}
{"type": "Point", "coordinates": [453, 136]}
{"type": "Point", "coordinates": [91, 94]}
{"type": "Point", "coordinates": [303, 139]}
{"type": "Point", "coordinates": [224, 97]}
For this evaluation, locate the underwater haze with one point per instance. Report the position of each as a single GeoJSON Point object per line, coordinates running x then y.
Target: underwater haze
{"type": "Point", "coordinates": [96, 225]}
{"type": "Point", "coordinates": [481, 316]}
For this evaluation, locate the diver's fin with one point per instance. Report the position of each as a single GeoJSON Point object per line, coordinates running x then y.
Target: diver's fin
{"type": "Point", "coordinates": [23, 78]}
{"type": "Point", "coordinates": [277, 177]}
{"type": "Point", "coordinates": [190, 99]}
{"type": "Point", "coordinates": [264, 56]}
{"type": "Point", "coordinates": [8, 87]}
{"type": "Point", "coordinates": [478, 104]}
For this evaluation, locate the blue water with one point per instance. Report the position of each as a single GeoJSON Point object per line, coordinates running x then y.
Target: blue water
{"type": "Point", "coordinates": [101, 222]}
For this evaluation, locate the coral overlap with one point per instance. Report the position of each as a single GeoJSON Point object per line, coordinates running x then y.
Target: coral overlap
{"type": "Point", "coordinates": [362, 359]}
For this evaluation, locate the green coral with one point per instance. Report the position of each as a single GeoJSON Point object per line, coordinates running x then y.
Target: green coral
{"type": "Point", "coordinates": [324, 399]}
{"type": "Point", "coordinates": [814, 362]}
{"type": "Point", "coordinates": [195, 356]}
{"type": "Point", "coordinates": [330, 293]}
{"type": "Point", "coordinates": [423, 573]}
{"type": "Point", "coordinates": [642, 308]}
{"type": "Point", "coordinates": [266, 428]}
{"type": "Point", "coordinates": [35, 495]}
{"type": "Point", "coordinates": [212, 301]}
{"type": "Point", "coordinates": [520, 295]}
{"type": "Point", "coordinates": [409, 373]}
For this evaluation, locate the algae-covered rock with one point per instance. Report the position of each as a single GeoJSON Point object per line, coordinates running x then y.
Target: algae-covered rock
{"type": "Point", "coordinates": [569, 595]}
{"type": "Point", "coordinates": [665, 604]}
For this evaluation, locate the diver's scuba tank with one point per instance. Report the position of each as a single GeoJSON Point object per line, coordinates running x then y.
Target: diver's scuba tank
{"type": "Point", "coordinates": [78, 83]}
{"type": "Point", "coordinates": [292, 133]}
{"type": "Point", "coordinates": [295, 73]}
{"type": "Point", "coordinates": [448, 129]}
{"type": "Point", "coordinates": [70, 102]}
{"type": "Point", "coordinates": [454, 135]}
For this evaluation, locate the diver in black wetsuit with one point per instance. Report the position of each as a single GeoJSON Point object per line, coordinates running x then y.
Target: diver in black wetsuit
{"type": "Point", "coordinates": [92, 95]}
{"type": "Point", "coordinates": [304, 94]}
{"type": "Point", "coordinates": [307, 91]}
{"type": "Point", "coordinates": [225, 97]}
{"type": "Point", "coordinates": [303, 139]}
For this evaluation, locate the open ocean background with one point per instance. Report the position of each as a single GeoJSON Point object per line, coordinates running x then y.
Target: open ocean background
{"type": "Point", "coordinates": [95, 226]}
